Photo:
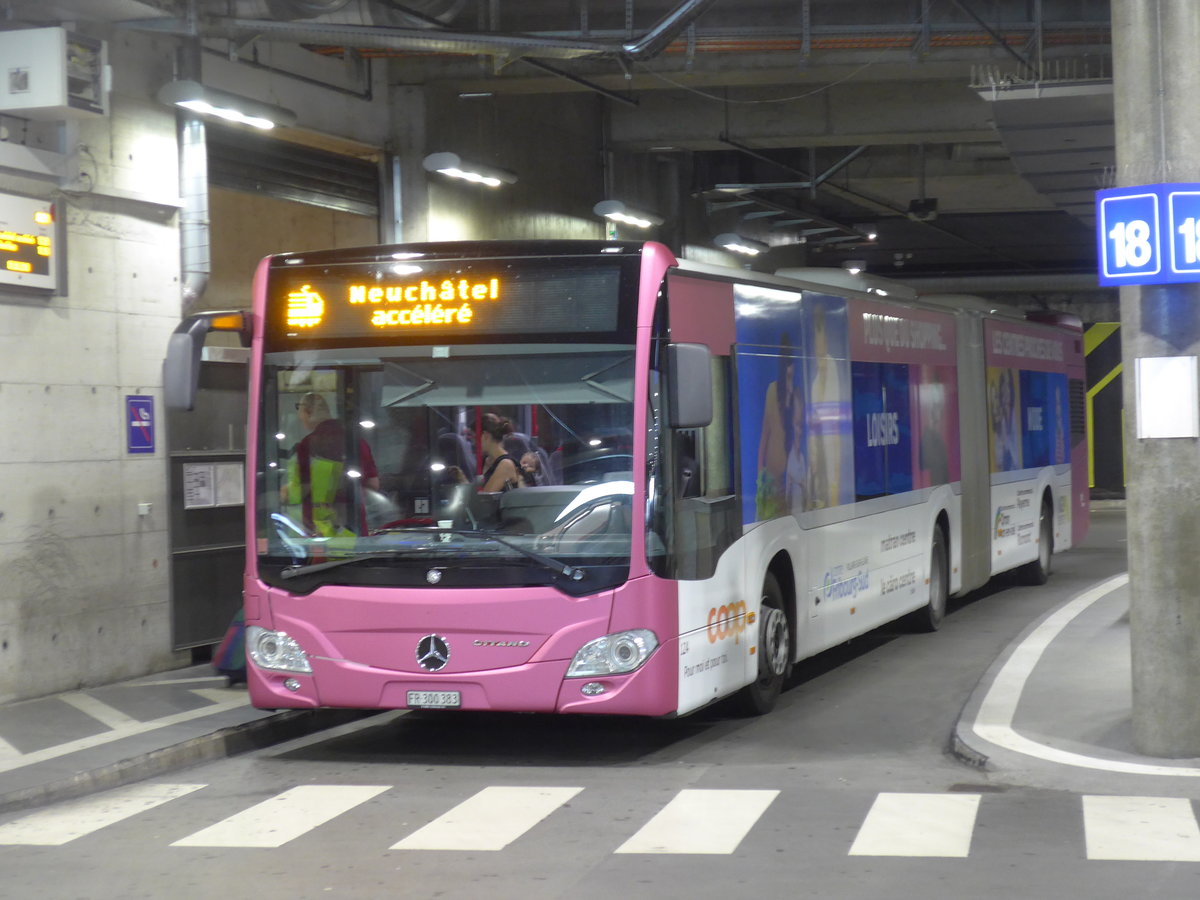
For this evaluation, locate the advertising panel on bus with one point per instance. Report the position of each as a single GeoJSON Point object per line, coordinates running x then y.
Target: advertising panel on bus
{"type": "Point", "coordinates": [1028, 430]}
{"type": "Point", "coordinates": [905, 399]}
{"type": "Point", "coordinates": [794, 382]}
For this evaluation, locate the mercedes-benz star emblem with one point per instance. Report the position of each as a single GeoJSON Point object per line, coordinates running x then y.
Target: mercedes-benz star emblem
{"type": "Point", "coordinates": [433, 576]}
{"type": "Point", "coordinates": [433, 653]}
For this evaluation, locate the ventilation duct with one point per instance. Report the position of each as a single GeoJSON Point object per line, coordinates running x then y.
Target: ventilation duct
{"type": "Point", "coordinates": [365, 24]}
{"type": "Point", "coordinates": [338, 12]}
{"type": "Point", "coordinates": [658, 38]}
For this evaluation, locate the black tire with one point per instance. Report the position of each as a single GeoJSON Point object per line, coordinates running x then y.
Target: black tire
{"type": "Point", "coordinates": [1038, 571]}
{"type": "Point", "coordinates": [929, 617]}
{"type": "Point", "coordinates": [774, 653]}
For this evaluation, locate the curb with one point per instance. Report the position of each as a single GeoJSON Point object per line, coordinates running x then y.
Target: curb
{"type": "Point", "coordinates": [220, 744]}
{"type": "Point", "coordinates": [965, 753]}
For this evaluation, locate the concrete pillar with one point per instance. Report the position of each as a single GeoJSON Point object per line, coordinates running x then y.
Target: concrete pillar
{"type": "Point", "coordinates": [410, 147]}
{"type": "Point", "coordinates": [1158, 140]}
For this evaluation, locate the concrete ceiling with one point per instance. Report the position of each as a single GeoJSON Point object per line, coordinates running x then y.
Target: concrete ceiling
{"type": "Point", "coordinates": [969, 134]}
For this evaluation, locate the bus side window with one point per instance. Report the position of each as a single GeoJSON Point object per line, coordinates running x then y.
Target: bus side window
{"type": "Point", "coordinates": [707, 520]}
{"type": "Point", "coordinates": [687, 463]}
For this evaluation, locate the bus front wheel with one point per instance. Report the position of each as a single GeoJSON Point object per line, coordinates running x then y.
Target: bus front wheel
{"type": "Point", "coordinates": [774, 653]}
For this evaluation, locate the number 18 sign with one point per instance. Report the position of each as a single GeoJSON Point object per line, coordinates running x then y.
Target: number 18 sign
{"type": "Point", "coordinates": [1149, 234]}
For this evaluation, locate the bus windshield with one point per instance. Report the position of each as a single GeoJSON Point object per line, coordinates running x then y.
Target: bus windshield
{"type": "Point", "coordinates": [373, 463]}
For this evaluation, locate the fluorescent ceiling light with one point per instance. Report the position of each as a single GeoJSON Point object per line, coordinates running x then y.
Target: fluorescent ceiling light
{"type": "Point", "coordinates": [194, 96]}
{"type": "Point", "coordinates": [739, 244]}
{"type": "Point", "coordinates": [456, 167]}
{"type": "Point", "coordinates": [616, 211]}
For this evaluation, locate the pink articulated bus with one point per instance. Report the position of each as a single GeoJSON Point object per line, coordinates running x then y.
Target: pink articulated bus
{"type": "Point", "coordinates": [588, 477]}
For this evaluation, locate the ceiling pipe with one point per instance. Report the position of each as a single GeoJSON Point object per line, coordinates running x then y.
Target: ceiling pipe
{"type": "Point", "coordinates": [370, 36]}
{"type": "Point", "coordinates": [195, 260]}
{"type": "Point", "coordinates": [343, 12]}
{"type": "Point", "coordinates": [386, 38]}
{"type": "Point", "coordinates": [658, 38]}
{"type": "Point", "coordinates": [281, 8]}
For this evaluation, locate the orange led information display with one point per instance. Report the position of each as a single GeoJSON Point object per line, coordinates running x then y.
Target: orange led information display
{"type": "Point", "coordinates": [446, 302]}
{"type": "Point", "coordinates": [440, 301]}
{"type": "Point", "coordinates": [27, 243]}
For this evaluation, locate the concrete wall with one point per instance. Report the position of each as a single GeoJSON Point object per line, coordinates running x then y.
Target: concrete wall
{"type": "Point", "coordinates": [249, 227]}
{"type": "Point", "coordinates": [553, 144]}
{"type": "Point", "coordinates": [84, 594]}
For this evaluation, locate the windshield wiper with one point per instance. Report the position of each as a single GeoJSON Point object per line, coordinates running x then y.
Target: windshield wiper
{"type": "Point", "coordinates": [575, 573]}
{"type": "Point", "coordinates": [391, 553]}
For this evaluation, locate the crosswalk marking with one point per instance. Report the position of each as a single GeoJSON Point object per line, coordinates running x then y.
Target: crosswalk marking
{"type": "Point", "coordinates": [284, 817]}
{"type": "Point", "coordinates": [60, 824]}
{"type": "Point", "coordinates": [918, 825]}
{"type": "Point", "coordinates": [694, 821]}
{"type": "Point", "coordinates": [1159, 829]}
{"type": "Point", "coordinates": [490, 820]}
{"type": "Point", "coordinates": [701, 821]}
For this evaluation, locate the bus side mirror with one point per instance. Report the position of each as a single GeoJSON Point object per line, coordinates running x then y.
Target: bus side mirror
{"type": "Point", "coordinates": [689, 385]}
{"type": "Point", "coordinates": [181, 368]}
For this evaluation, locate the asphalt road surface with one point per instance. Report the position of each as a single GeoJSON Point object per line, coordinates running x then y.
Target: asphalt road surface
{"type": "Point", "coordinates": [847, 790]}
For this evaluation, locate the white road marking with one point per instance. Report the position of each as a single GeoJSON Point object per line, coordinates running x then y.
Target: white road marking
{"type": "Point", "coordinates": [1156, 829]}
{"type": "Point", "coordinates": [98, 710]}
{"type": "Point", "coordinates": [918, 825]}
{"type": "Point", "coordinates": [213, 695]}
{"type": "Point", "coordinates": [284, 817]}
{"type": "Point", "coordinates": [172, 682]}
{"type": "Point", "coordinates": [490, 820]}
{"type": "Point", "coordinates": [701, 821]}
{"type": "Point", "coordinates": [994, 721]}
{"type": "Point", "coordinates": [7, 764]}
{"type": "Point", "coordinates": [60, 824]}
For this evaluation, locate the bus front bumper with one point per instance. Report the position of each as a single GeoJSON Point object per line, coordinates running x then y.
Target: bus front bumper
{"type": "Point", "coordinates": [536, 687]}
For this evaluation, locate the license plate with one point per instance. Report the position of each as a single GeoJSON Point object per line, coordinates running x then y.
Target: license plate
{"type": "Point", "coordinates": [434, 699]}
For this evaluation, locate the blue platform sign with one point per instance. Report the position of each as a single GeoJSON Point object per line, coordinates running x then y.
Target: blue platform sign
{"type": "Point", "coordinates": [1149, 234]}
{"type": "Point", "coordinates": [139, 423]}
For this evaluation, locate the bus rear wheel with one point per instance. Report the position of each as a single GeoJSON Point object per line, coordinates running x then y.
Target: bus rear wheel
{"type": "Point", "coordinates": [774, 653]}
{"type": "Point", "coordinates": [929, 617]}
{"type": "Point", "coordinates": [1038, 571]}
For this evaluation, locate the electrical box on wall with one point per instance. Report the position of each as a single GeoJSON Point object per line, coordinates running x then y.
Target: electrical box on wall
{"type": "Point", "coordinates": [51, 73]}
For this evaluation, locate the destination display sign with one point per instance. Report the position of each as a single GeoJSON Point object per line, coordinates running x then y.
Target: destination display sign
{"type": "Point", "coordinates": [419, 302]}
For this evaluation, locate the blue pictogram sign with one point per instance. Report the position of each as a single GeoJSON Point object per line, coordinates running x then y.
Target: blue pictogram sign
{"type": "Point", "coordinates": [139, 423]}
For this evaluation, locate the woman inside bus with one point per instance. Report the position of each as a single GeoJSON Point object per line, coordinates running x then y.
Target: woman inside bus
{"type": "Point", "coordinates": [502, 472]}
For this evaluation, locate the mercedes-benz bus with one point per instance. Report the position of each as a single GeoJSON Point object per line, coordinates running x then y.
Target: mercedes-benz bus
{"type": "Point", "coordinates": [716, 473]}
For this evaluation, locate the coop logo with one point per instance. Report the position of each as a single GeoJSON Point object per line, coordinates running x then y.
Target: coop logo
{"type": "Point", "coordinates": [727, 621]}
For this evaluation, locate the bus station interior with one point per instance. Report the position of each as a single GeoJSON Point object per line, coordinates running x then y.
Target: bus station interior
{"type": "Point", "coordinates": [956, 146]}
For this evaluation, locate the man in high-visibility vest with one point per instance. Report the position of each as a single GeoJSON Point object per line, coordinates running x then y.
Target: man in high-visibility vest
{"type": "Point", "coordinates": [317, 465]}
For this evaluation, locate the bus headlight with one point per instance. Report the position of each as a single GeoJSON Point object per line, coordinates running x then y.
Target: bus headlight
{"type": "Point", "coordinates": [275, 650]}
{"type": "Point", "coordinates": [613, 654]}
